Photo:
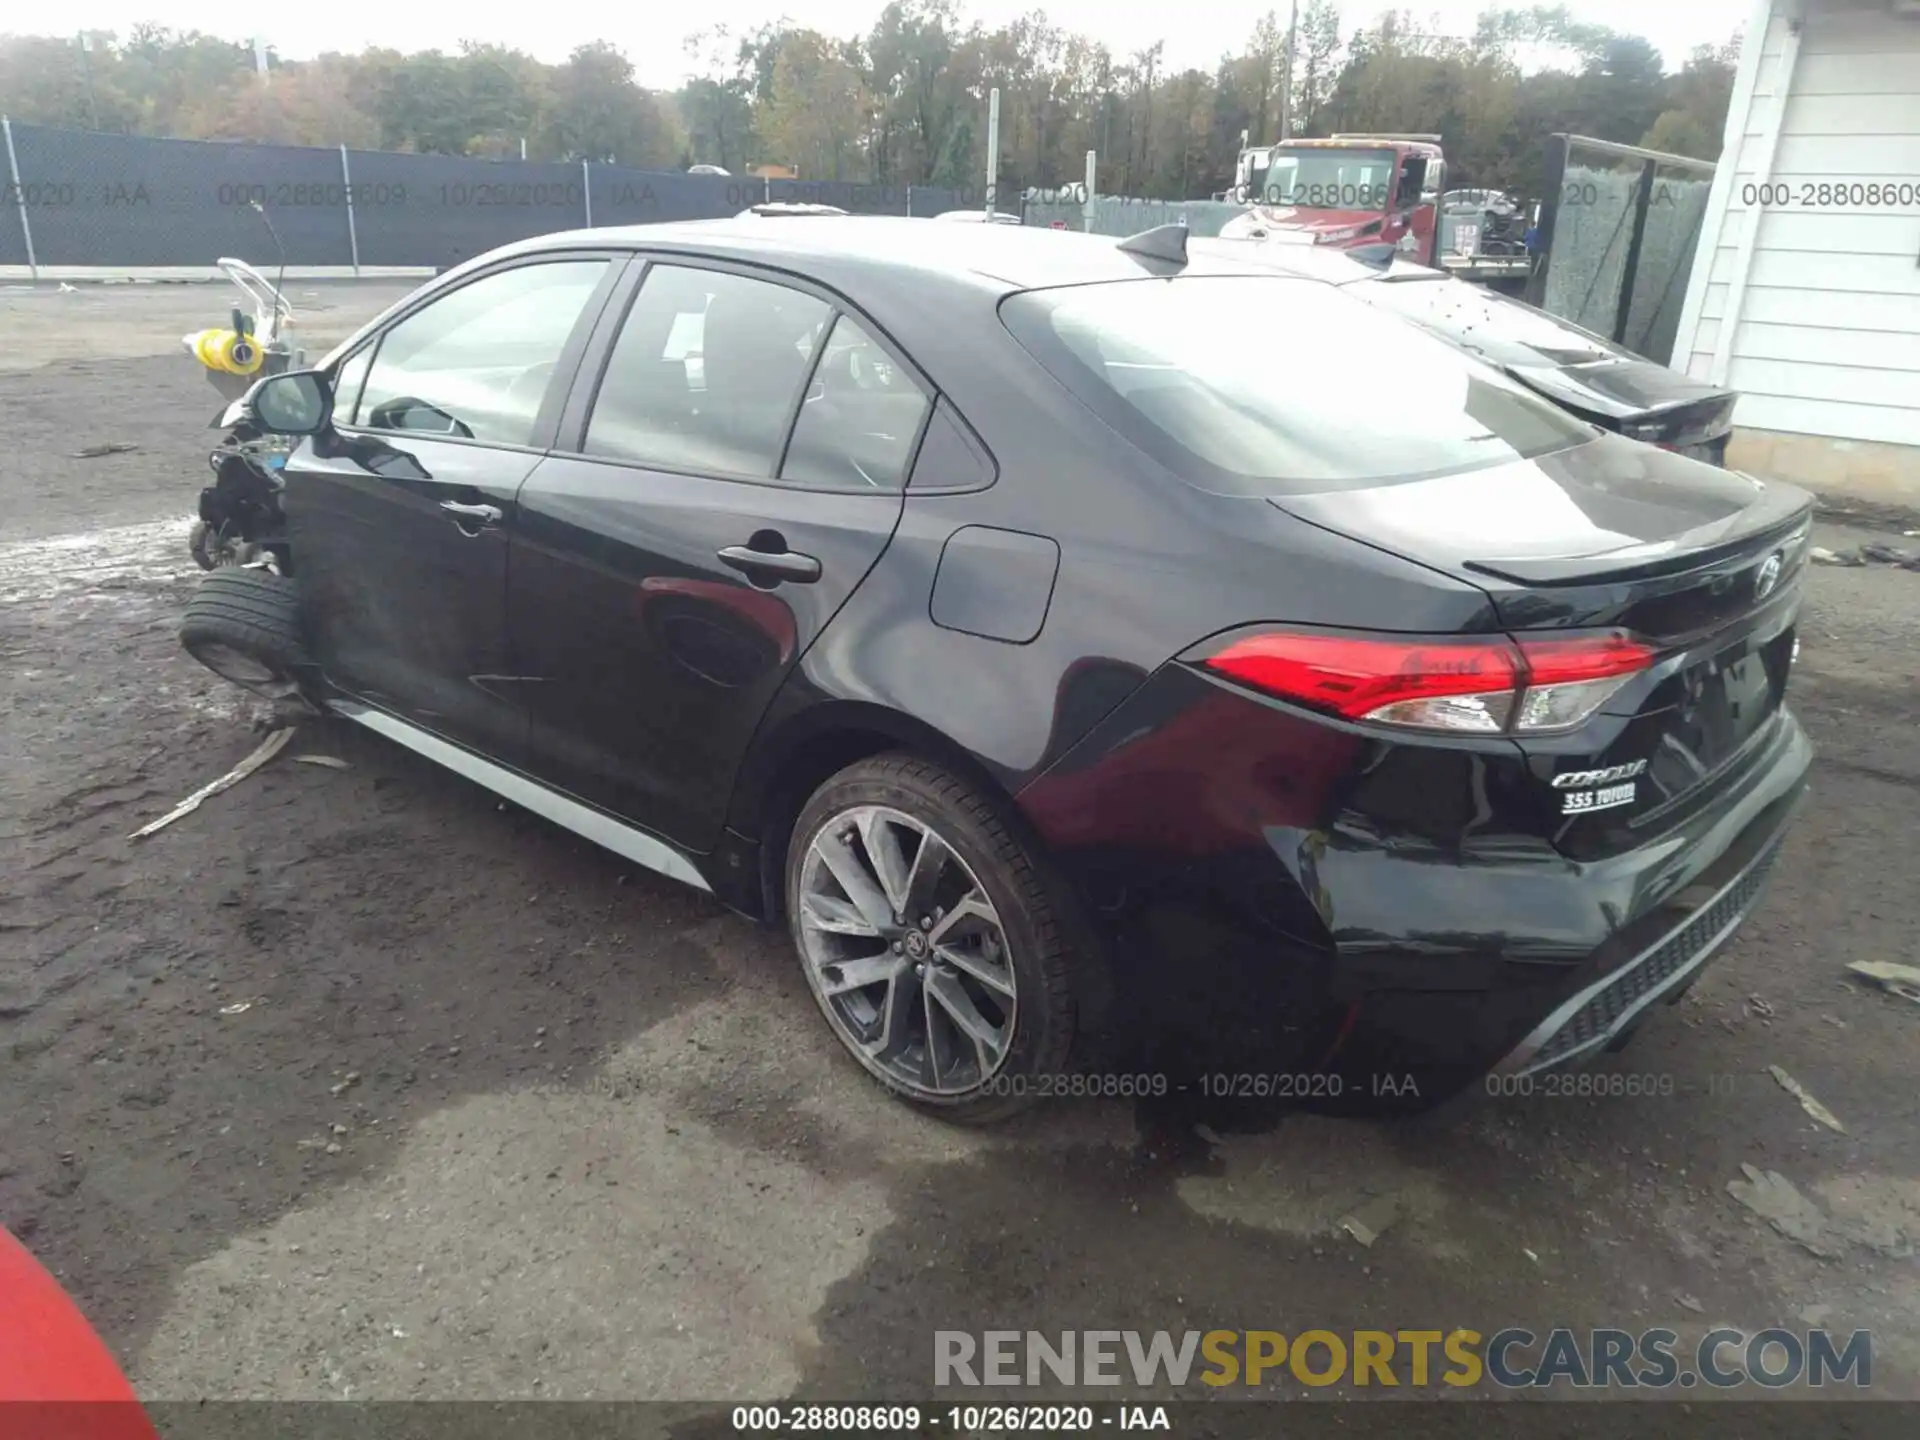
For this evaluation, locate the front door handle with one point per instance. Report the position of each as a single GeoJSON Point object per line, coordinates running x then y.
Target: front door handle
{"type": "Point", "coordinates": [482, 516]}
{"type": "Point", "coordinates": [771, 566]}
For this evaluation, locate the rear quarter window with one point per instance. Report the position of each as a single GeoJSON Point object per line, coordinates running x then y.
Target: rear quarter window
{"type": "Point", "coordinates": [1277, 385]}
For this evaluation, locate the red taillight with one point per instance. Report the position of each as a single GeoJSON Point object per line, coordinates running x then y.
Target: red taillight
{"type": "Point", "coordinates": [1569, 677]}
{"type": "Point", "coordinates": [1557, 660]}
{"type": "Point", "coordinates": [1464, 684]}
{"type": "Point", "coordinates": [1355, 677]}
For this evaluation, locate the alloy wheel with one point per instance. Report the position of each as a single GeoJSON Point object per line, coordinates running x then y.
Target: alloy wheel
{"type": "Point", "coordinates": [906, 952]}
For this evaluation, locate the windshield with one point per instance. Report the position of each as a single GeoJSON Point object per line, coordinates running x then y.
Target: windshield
{"type": "Point", "coordinates": [1324, 179]}
{"type": "Point", "coordinates": [1264, 385]}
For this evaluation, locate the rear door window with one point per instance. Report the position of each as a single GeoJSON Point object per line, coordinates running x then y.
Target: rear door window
{"type": "Point", "coordinates": [1275, 385]}
{"type": "Point", "coordinates": [861, 417]}
{"type": "Point", "coordinates": [706, 373]}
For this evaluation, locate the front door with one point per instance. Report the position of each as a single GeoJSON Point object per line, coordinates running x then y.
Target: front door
{"type": "Point", "coordinates": [739, 474]}
{"type": "Point", "coordinates": [398, 516]}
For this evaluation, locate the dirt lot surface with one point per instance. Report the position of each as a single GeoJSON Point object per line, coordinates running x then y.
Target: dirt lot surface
{"type": "Point", "coordinates": [357, 1083]}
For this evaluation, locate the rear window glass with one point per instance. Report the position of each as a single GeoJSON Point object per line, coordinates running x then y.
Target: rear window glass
{"type": "Point", "coordinates": [1274, 385]}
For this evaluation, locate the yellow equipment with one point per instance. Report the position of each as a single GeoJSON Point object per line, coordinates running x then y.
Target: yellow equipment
{"type": "Point", "coordinates": [228, 351]}
{"type": "Point", "coordinates": [248, 346]}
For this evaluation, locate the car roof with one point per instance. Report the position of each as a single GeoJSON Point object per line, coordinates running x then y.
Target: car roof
{"type": "Point", "coordinates": [1312, 262]}
{"type": "Point", "coordinates": [1015, 257]}
{"type": "Point", "coordinates": [780, 209]}
{"type": "Point", "coordinates": [1326, 262]}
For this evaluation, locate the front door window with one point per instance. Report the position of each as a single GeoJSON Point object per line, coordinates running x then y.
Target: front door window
{"type": "Point", "coordinates": [475, 364]}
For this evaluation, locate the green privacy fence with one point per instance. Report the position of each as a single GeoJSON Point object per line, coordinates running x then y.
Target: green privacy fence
{"type": "Point", "coordinates": [86, 199]}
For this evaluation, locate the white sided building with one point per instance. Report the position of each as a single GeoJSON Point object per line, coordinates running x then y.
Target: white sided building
{"type": "Point", "coordinates": [1805, 292]}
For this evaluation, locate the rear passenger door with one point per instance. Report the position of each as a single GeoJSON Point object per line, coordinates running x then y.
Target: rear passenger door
{"type": "Point", "coordinates": [738, 448]}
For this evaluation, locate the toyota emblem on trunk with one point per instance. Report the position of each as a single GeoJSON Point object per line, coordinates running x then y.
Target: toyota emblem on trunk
{"type": "Point", "coordinates": [1767, 577]}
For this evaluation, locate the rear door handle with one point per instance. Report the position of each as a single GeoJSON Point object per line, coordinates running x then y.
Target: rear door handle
{"type": "Point", "coordinates": [771, 565]}
{"type": "Point", "coordinates": [485, 515]}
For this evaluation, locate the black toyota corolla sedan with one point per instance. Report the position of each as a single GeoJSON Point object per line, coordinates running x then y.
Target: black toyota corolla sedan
{"type": "Point", "coordinates": [1070, 642]}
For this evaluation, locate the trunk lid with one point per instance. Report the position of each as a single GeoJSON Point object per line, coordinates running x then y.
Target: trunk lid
{"type": "Point", "coordinates": [1703, 565]}
{"type": "Point", "coordinates": [1640, 399]}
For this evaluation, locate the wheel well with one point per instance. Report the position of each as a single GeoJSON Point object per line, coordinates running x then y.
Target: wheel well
{"type": "Point", "coordinates": [768, 808]}
{"type": "Point", "coordinates": [789, 770]}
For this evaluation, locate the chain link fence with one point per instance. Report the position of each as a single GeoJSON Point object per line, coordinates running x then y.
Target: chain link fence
{"type": "Point", "coordinates": [1619, 227]}
{"type": "Point", "coordinates": [76, 198]}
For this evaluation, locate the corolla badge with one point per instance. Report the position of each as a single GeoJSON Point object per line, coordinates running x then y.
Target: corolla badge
{"type": "Point", "coordinates": [1768, 575]}
{"type": "Point", "coordinates": [1581, 779]}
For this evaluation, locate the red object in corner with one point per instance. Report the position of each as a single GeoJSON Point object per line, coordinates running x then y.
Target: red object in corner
{"type": "Point", "coordinates": [58, 1380]}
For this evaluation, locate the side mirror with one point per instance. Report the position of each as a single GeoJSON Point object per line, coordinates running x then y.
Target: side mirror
{"type": "Point", "coordinates": [298, 402]}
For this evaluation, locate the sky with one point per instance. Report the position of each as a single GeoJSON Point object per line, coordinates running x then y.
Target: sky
{"type": "Point", "coordinates": [653, 35]}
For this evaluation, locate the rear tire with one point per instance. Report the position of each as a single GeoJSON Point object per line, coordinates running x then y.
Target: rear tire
{"type": "Point", "coordinates": [244, 626]}
{"type": "Point", "coordinates": [974, 1038]}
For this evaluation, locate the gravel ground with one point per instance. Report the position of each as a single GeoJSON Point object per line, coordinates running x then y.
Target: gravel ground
{"type": "Point", "coordinates": [502, 1117]}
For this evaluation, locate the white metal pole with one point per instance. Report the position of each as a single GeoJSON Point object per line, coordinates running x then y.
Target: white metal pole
{"type": "Point", "coordinates": [353, 232]}
{"type": "Point", "coordinates": [993, 148]}
{"type": "Point", "coordinates": [1286, 80]}
{"type": "Point", "coordinates": [20, 197]}
{"type": "Point", "coordinates": [586, 190]}
{"type": "Point", "coordinates": [1086, 206]}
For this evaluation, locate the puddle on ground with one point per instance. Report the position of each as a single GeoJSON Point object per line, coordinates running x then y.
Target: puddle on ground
{"type": "Point", "coordinates": [106, 561]}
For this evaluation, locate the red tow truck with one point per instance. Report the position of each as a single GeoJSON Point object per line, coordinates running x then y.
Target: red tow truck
{"type": "Point", "coordinates": [1349, 191]}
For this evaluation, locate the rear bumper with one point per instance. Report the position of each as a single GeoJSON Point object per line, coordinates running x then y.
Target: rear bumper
{"type": "Point", "coordinates": [1585, 1023]}
{"type": "Point", "coordinates": [1281, 890]}
{"type": "Point", "coordinates": [1664, 911]}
